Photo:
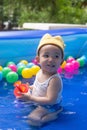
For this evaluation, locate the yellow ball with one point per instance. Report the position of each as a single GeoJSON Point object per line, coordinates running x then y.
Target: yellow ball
{"type": "Point", "coordinates": [63, 64]}
{"type": "Point", "coordinates": [35, 69]}
{"type": "Point", "coordinates": [1, 68]}
{"type": "Point", "coordinates": [24, 62]}
{"type": "Point", "coordinates": [27, 73]}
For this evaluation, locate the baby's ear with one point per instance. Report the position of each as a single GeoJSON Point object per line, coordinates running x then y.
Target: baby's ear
{"type": "Point", "coordinates": [37, 59]}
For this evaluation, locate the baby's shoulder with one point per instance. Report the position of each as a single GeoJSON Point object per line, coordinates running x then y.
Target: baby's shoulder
{"type": "Point", "coordinates": [56, 80]}
{"type": "Point", "coordinates": [56, 77]}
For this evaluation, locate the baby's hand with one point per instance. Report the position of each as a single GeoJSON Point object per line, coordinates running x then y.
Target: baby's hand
{"type": "Point", "coordinates": [24, 96]}
{"type": "Point", "coordinates": [30, 87]}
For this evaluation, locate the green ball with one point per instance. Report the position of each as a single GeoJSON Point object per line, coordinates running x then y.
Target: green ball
{"type": "Point", "coordinates": [20, 68]}
{"type": "Point", "coordinates": [10, 63]}
{"type": "Point", "coordinates": [12, 77]}
{"type": "Point", "coordinates": [5, 71]}
{"type": "Point", "coordinates": [81, 62]}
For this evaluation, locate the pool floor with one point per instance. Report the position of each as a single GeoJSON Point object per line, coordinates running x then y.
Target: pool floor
{"type": "Point", "coordinates": [13, 114]}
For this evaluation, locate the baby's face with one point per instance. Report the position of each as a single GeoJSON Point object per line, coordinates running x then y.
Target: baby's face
{"type": "Point", "coordinates": [50, 58]}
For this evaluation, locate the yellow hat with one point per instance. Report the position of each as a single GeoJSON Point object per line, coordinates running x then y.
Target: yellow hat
{"type": "Point", "coordinates": [53, 40]}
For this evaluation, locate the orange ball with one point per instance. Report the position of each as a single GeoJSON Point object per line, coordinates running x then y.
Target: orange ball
{"type": "Point", "coordinates": [63, 64]}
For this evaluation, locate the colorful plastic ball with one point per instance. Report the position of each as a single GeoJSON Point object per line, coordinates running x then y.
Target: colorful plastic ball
{"type": "Point", "coordinates": [10, 63]}
{"type": "Point", "coordinates": [75, 64]}
{"type": "Point", "coordinates": [70, 59]}
{"type": "Point", "coordinates": [20, 64]}
{"type": "Point", "coordinates": [5, 71]}
{"type": "Point", "coordinates": [27, 73]}
{"type": "Point", "coordinates": [1, 68]}
{"type": "Point", "coordinates": [29, 65]}
{"type": "Point", "coordinates": [85, 58]}
{"type": "Point", "coordinates": [20, 68]}
{"type": "Point", "coordinates": [69, 68]}
{"type": "Point", "coordinates": [35, 69]}
{"type": "Point", "coordinates": [35, 62]}
{"type": "Point", "coordinates": [13, 67]}
{"type": "Point", "coordinates": [1, 76]}
{"type": "Point", "coordinates": [63, 64]}
{"type": "Point", "coordinates": [12, 77]}
{"type": "Point", "coordinates": [59, 70]}
{"type": "Point", "coordinates": [82, 61]}
{"type": "Point", "coordinates": [24, 62]}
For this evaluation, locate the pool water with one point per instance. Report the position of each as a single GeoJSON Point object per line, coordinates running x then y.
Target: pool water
{"type": "Point", "coordinates": [13, 114]}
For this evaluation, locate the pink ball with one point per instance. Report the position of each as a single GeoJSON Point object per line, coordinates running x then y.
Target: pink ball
{"type": "Point", "coordinates": [13, 67]}
{"type": "Point", "coordinates": [59, 70]}
{"type": "Point", "coordinates": [70, 59]}
{"type": "Point", "coordinates": [75, 64]}
{"type": "Point", "coordinates": [69, 67]}
{"type": "Point", "coordinates": [35, 61]}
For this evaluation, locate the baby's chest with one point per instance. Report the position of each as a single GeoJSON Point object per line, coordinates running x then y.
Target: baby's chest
{"type": "Point", "coordinates": [40, 86]}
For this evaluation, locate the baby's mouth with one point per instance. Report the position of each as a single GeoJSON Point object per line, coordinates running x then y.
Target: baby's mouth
{"type": "Point", "coordinates": [52, 66]}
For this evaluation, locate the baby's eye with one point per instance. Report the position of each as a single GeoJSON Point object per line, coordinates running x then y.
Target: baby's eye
{"type": "Point", "coordinates": [46, 56]}
{"type": "Point", "coordinates": [56, 56]}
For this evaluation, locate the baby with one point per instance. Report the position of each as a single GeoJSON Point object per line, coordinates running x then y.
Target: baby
{"type": "Point", "coordinates": [47, 88]}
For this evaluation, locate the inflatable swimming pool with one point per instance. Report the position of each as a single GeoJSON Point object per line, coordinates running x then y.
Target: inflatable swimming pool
{"type": "Point", "coordinates": [17, 45]}
{"type": "Point", "coordinates": [21, 45]}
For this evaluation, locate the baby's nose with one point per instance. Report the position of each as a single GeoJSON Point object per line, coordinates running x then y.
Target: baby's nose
{"type": "Point", "coordinates": [51, 58]}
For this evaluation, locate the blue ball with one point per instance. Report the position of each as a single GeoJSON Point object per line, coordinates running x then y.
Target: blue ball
{"type": "Point", "coordinates": [1, 75]}
{"type": "Point", "coordinates": [29, 65]}
{"type": "Point", "coordinates": [20, 64]}
{"type": "Point", "coordinates": [84, 58]}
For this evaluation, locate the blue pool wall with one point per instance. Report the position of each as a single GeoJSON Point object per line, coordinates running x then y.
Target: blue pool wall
{"type": "Point", "coordinates": [19, 45]}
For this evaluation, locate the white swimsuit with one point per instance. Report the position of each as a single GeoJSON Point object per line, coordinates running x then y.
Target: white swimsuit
{"type": "Point", "coordinates": [40, 89]}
